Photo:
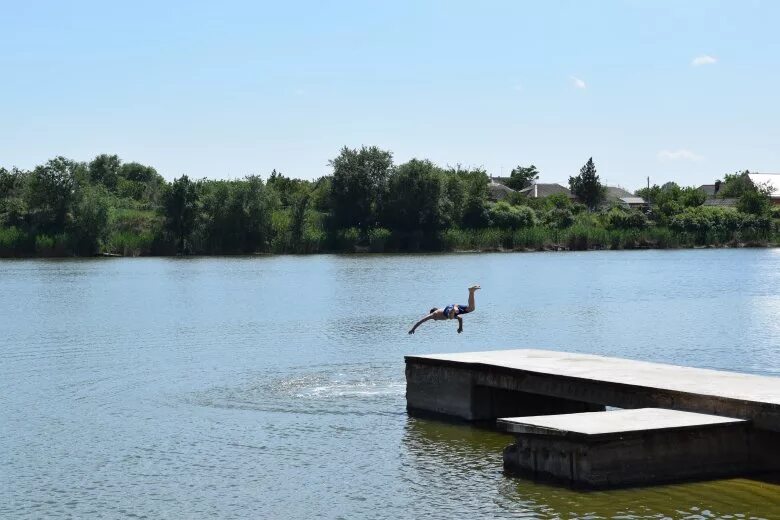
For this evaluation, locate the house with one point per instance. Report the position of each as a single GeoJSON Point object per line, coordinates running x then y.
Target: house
{"type": "Point", "coordinates": [617, 195]}
{"type": "Point", "coordinates": [498, 191]}
{"type": "Point", "coordinates": [770, 180]}
{"type": "Point", "coordinates": [540, 190]}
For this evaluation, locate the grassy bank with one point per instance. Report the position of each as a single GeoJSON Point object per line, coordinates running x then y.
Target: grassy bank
{"type": "Point", "coordinates": [581, 238]}
{"type": "Point", "coordinates": [142, 240]}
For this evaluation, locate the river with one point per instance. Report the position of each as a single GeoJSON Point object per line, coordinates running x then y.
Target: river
{"type": "Point", "coordinates": [273, 386]}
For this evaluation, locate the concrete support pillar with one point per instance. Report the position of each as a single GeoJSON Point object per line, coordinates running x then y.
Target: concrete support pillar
{"type": "Point", "coordinates": [469, 395]}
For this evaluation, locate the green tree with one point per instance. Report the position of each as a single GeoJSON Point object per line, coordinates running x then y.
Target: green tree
{"type": "Point", "coordinates": [474, 213]}
{"type": "Point", "coordinates": [298, 219]}
{"type": "Point", "coordinates": [13, 208]}
{"type": "Point", "coordinates": [691, 197]}
{"type": "Point", "coordinates": [359, 179]}
{"type": "Point", "coordinates": [140, 183]}
{"type": "Point", "coordinates": [180, 208]}
{"type": "Point", "coordinates": [413, 199]}
{"type": "Point", "coordinates": [104, 170]}
{"type": "Point", "coordinates": [89, 226]}
{"type": "Point", "coordinates": [289, 190]}
{"type": "Point", "coordinates": [321, 194]}
{"type": "Point", "coordinates": [586, 186]}
{"type": "Point", "coordinates": [522, 177]}
{"type": "Point", "coordinates": [50, 194]}
{"type": "Point", "coordinates": [649, 194]}
{"type": "Point", "coordinates": [257, 203]}
{"type": "Point", "coordinates": [754, 201]}
{"type": "Point", "coordinates": [735, 184]}
{"type": "Point", "coordinates": [233, 216]}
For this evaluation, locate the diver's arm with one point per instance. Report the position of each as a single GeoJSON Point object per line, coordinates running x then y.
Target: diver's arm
{"type": "Point", "coordinates": [428, 317]}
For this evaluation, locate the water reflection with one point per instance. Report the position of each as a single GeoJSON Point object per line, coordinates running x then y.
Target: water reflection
{"type": "Point", "coordinates": [437, 454]}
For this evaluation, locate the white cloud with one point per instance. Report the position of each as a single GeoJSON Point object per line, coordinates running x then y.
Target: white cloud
{"type": "Point", "coordinates": [705, 59]}
{"type": "Point", "coordinates": [578, 83]}
{"type": "Point", "coordinates": [679, 155]}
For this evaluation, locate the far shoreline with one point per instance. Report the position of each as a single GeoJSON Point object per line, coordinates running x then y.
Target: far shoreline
{"type": "Point", "coordinates": [363, 253]}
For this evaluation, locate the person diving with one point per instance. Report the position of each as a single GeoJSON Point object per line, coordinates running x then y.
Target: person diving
{"type": "Point", "coordinates": [450, 312]}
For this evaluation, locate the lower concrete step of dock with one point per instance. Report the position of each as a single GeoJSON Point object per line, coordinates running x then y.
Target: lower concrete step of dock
{"type": "Point", "coordinates": [621, 448]}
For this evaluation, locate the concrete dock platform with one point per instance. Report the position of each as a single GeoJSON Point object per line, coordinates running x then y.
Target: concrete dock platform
{"type": "Point", "coordinates": [628, 447]}
{"type": "Point", "coordinates": [714, 423]}
{"type": "Point", "coordinates": [493, 384]}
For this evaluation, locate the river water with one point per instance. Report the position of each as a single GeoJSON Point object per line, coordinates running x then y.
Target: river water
{"type": "Point", "coordinates": [273, 387]}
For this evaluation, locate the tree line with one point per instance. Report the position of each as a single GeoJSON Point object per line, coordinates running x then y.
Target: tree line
{"type": "Point", "coordinates": [106, 206]}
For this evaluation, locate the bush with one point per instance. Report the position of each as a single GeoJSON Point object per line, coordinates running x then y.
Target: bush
{"type": "Point", "coordinates": [504, 216]}
{"type": "Point", "coordinates": [559, 218]}
{"type": "Point", "coordinates": [621, 219]}
{"type": "Point", "coordinates": [378, 239]}
{"type": "Point", "coordinates": [704, 218]}
{"type": "Point", "coordinates": [130, 243]}
{"type": "Point", "coordinates": [581, 238]}
{"type": "Point", "coordinates": [531, 238]}
{"type": "Point", "coordinates": [313, 240]}
{"type": "Point", "coordinates": [44, 245]}
{"type": "Point", "coordinates": [53, 245]}
{"type": "Point", "coordinates": [754, 202]}
{"type": "Point", "coordinates": [12, 241]}
{"type": "Point", "coordinates": [486, 239]}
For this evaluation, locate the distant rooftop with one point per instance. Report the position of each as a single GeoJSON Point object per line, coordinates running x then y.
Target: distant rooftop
{"type": "Point", "coordinates": [615, 192]}
{"type": "Point", "coordinates": [723, 203]}
{"type": "Point", "coordinates": [709, 189]}
{"type": "Point", "coordinates": [540, 190]}
{"type": "Point", "coordinates": [498, 191]}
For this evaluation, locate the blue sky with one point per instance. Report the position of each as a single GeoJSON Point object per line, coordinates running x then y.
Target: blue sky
{"type": "Point", "coordinates": [682, 91]}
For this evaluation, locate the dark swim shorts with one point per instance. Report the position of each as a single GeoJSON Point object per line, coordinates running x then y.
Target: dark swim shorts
{"type": "Point", "coordinates": [459, 309]}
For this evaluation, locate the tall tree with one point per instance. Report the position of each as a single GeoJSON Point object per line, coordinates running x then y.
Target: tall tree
{"type": "Point", "coordinates": [104, 169]}
{"type": "Point", "coordinates": [522, 177]}
{"type": "Point", "coordinates": [13, 209]}
{"type": "Point", "coordinates": [180, 204]}
{"type": "Point", "coordinates": [413, 197]}
{"type": "Point", "coordinates": [50, 194]}
{"type": "Point", "coordinates": [587, 187]}
{"type": "Point", "coordinates": [359, 179]}
{"type": "Point", "coordinates": [90, 220]}
{"type": "Point", "coordinates": [735, 184]}
{"type": "Point", "coordinates": [475, 209]}
{"type": "Point", "coordinates": [141, 183]}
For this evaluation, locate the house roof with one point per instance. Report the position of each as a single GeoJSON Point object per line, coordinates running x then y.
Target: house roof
{"type": "Point", "coordinates": [708, 189]}
{"type": "Point", "coordinates": [771, 179]}
{"type": "Point", "coordinates": [545, 190]}
{"type": "Point", "coordinates": [724, 203]}
{"type": "Point", "coordinates": [498, 191]}
{"type": "Point", "coordinates": [633, 200]}
{"type": "Point", "coordinates": [614, 192]}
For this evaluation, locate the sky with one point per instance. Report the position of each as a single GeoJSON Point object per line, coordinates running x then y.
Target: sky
{"type": "Point", "coordinates": [682, 91]}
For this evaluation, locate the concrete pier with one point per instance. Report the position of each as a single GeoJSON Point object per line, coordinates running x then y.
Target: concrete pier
{"type": "Point", "coordinates": [629, 447]}
{"type": "Point", "coordinates": [484, 385]}
{"type": "Point", "coordinates": [734, 427]}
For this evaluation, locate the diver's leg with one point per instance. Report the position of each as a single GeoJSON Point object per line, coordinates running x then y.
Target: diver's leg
{"type": "Point", "coordinates": [472, 290]}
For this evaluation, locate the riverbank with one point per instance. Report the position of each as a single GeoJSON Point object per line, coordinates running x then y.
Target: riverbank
{"type": "Point", "coordinates": [477, 244]}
